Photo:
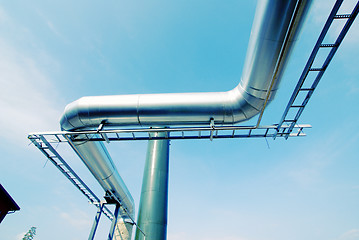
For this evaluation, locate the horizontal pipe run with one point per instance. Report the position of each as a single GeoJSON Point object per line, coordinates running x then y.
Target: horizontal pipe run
{"type": "Point", "coordinates": [274, 31]}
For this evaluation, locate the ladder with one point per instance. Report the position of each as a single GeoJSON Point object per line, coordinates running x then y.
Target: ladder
{"type": "Point", "coordinates": [319, 71]}
{"type": "Point", "coordinates": [49, 151]}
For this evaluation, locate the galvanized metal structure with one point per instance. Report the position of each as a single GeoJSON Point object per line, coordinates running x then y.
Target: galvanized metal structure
{"type": "Point", "coordinates": [90, 121]}
{"type": "Point", "coordinates": [152, 214]}
{"type": "Point", "coordinates": [274, 31]}
{"type": "Point", "coordinates": [296, 101]}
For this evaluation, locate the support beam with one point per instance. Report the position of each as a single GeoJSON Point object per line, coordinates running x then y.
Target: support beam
{"type": "Point", "coordinates": [152, 216]}
{"type": "Point", "coordinates": [96, 221]}
{"type": "Point", "coordinates": [114, 221]}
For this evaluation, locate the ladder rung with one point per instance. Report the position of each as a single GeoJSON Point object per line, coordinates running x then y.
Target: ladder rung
{"type": "Point", "coordinates": [338, 16]}
{"type": "Point", "coordinates": [316, 69]}
{"type": "Point", "coordinates": [327, 45]}
{"type": "Point", "coordinates": [297, 106]}
{"type": "Point", "coordinates": [289, 120]}
{"type": "Point", "coordinates": [306, 89]}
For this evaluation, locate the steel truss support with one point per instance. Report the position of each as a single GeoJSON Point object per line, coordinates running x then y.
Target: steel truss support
{"type": "Point", "coordinates": [114, 221]}
{"type": "Point", "coordinates": [96, 221]}
{"type": "Point", "coordinates": [152, 215]}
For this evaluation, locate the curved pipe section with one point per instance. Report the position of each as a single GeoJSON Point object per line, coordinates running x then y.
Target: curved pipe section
{"type": "Point", "coordinates": [274, 31]}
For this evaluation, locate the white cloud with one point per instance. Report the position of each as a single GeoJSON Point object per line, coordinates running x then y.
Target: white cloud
{"type": "Point", "coordinates": [177, 236]}
{"type": "Point", "coordinates": [350, 235]}
{"type": "Point", "coordinates": [320, 156]}
{"type": "Point", "coordinates": [320, 12]}
{"type": "Point", "coordinates": [310, 170]}
{"type": "Point", "coordinates": [54, 30]}
{"type": "Point", "coordinates": [27, 98]}
{"type": "Point", "coordinates": [3, 15]}
{"type": "Point", "coordinates": [199, 236]}
{"type": "Point", "coordinates": [77, 219]}
{"type": "Point", "coordinates": [20, 236]}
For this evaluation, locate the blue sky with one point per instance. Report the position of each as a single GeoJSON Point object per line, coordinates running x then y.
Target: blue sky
{"type": "Point", "coordinates": [54, 53]}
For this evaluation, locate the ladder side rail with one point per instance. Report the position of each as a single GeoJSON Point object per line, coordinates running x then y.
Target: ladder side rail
{"type": "Point", "coordinates": [327, 61]}
{"type": "Point", "coordinates": [66, 169]}
{"type": "Point", "coordinates": [310, 61]}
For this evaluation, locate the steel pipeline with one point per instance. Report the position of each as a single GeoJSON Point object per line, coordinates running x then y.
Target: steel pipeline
{"type": "Point", "coordinates": [274, 31]}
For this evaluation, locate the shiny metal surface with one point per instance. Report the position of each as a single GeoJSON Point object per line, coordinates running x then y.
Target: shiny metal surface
{"type": "Point", "coordinates": [99, 162]}
{"type": "Point", "coordinates": [274, 30]}
{"type": "Point", "coordinates": [152, 212]}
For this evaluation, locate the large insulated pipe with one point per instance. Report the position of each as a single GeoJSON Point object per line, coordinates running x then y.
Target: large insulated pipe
{"type": "Point", "coordinates": [274, 31]}
{"type": "Point", "coordinates": [276, 25]}
{"type": "Point", "coordinates": [97, 159]}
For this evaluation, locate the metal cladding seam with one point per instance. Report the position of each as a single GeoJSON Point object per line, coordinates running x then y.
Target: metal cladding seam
{"type": "Point", "coordinates": [275, 28]}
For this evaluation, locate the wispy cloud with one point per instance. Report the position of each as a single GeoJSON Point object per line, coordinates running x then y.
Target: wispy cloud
{"type": "Point", "coordinates": [352, 234]}
{"type": "Point", "coordinates": [27, 96]}
{"type": "Point", "coordinates": [55, 31]}
{"type": "Point", "coordinates": [3, 15]}
{"type": "Point", "coordinates": [184, 235]}
{"type": "Point", "coordinates": [321, 155]}
{"type": "Point", "coordinates": [77, 219]}
{"type": "Point", "coordinates": [320, 12]}
{"type": "Point", "coordinates": [20, 236]}
{"type": "Point", "coordinates": [26, 99]}
{"type": "Point", "coordinates": [311, 167]}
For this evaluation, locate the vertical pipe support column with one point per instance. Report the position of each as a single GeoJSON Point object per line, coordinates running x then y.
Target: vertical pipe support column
{"type": "Point", "coordinates": [152, 215]}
